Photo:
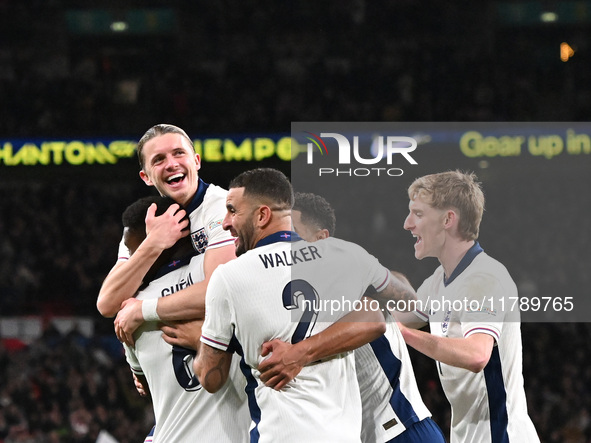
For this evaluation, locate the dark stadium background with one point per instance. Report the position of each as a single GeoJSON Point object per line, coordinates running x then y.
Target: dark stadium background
{"type": "Point", "coordinates": [248, 69]}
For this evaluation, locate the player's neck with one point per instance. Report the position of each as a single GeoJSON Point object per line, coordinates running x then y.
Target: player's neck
{"type": "Point", "coordinates": [452, 254]}
{"type": "Point", "coordinates": [278, 225]}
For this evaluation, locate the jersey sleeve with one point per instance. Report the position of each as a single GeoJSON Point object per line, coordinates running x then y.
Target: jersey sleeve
{"type": "Point", "coordinates": [132, 360]}
{"type": "Point", "coordinates": [218, 327]}
{"type": "Point", "coordinates": [374, 273]}
{"type": "Point", "coordinates": [481, 296]}
{"type": "Point", "coordinates": [123, 253]}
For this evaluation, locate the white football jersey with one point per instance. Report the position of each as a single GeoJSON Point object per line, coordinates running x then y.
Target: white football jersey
{"type": "Point", "coordinates": [276, 291]}
{"type": "Point", "coordinates": [390, 397]}
{"type": "Point", "coordinates": [206, 214]}
{"type": "Point", "coordinates": [184, 411]}
{"type": "Point", "coordinates": [488, 406]}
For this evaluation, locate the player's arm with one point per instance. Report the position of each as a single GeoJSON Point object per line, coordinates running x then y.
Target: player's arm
{"type": "Point", "coordinates": [212, 364]}
{"type": "Point", "coordinates": [189, 303]}
{"type": "Point", "coordinates": [125, 277]}
{"type": "Point", "coordinates": [472, 352]}
{"type": "Point", "coordinates": [352, 331]}
{"type": "Point", "coordinates": [409, 319]}
{"type": "Point", "coordinates": [212, 367]}
{"type": "Point", "coordinates": [398, 290]}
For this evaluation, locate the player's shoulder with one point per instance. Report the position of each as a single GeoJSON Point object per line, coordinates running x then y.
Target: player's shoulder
{"type": "Point", "coordinates": [485, 260]}
{"type": "Point", "coordinates": [484, 264]}
{"type": "Point", "coordinates": [215, 196]}
{"type": "Point", "coordinates": [215, 191]}
{"type": "Point", "coordinates": [486, 276]}
{"type": "Point", "coordinates": [339, 246]}
{"type": "Point", "coordinates": [234, 266]}
{"type": "Point", "coordinates": [211, 208]}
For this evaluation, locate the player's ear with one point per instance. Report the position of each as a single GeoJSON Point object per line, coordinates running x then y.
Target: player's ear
{"type": "Point", "coordinates": [450, 219]}
{"type": "Point", "coordinates": [145, 178]}
{"type": "Point", "coordinates": [264, 215]}
{"type": "Point", "coordinates": [321, 234]}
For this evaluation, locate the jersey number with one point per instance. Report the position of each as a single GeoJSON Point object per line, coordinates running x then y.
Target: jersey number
{"type": "Point", "coordinates": [182, 362]}
{"type": "Point", "coordinates": [297, 291]}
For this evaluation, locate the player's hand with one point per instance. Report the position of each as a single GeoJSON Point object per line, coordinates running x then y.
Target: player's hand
{"type": "Point", "coordinates": [165, 230]}
{"type": "Point", "coordinates": [128, 319]}
{"type": "Point", "coordinates": [141, 389]}
{"type": "Point", "coordinates": [284, 364]}
{"type": "Point", "coordinates": [185, 333]}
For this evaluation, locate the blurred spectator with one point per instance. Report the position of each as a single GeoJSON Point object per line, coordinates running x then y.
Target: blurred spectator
{"type": "Point", "coordinates": [59, 391]}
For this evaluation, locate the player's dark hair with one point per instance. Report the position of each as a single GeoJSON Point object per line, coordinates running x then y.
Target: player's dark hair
{"type": "Point", "coordinates": [134, 216]}
{"type": "Point", "coordinates": [267, 184]}
{"type": "Point", "coordinates": [315, 211]}
{"type": "Point", "coordinates": [156, 131]}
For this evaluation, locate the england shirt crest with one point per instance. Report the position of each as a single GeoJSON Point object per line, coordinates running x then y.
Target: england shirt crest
{"type": "Point", "coordinates": [200, 240]}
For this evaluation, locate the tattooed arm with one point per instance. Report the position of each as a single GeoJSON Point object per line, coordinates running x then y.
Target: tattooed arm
{"type": "Point", "coordinates": [398, 290]}
{"type": "Point", "coordinates": [212, 367]}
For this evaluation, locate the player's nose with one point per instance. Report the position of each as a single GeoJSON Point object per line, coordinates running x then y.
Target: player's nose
{"type": "Point", "coordinates": [408, 225]}
{"type": "Point", "coordinates": [227, 222]}
{"type": "Point", "coordinates": [170, 162]}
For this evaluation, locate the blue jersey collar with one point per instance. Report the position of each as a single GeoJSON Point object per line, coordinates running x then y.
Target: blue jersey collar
{"type": "Point", "coordinates": [199, 196]}
{"type": "Point", "coordinates": [173, 265]}
{"type": "Point", "coordinates": [464, 263]}
{"type": "Point", "coordinates": [278, 237]}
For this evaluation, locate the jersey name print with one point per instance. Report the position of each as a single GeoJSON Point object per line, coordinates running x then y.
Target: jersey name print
{"type": "Point", "coordinates": [289, 258]}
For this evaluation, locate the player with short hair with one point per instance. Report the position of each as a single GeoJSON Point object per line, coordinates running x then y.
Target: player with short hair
{"type": "Point", "coordinates": [169, 163]}
{"type": "Point", "coordinates": [313, 217]}
{"type": "Point", "coordinates": [393, 410]}
{"type": "Point", "coordinates": [183, 410]}
{"type": "Point", "coordinates": [269, 292]}
{"type": "Point", "coordinates": [478, 351]}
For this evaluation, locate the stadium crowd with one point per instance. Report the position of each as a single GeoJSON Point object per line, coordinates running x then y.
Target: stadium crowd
{"type": "Point", "coordinates": [369, 61]}
{"type": "Point", "coordinates": [365, 62]}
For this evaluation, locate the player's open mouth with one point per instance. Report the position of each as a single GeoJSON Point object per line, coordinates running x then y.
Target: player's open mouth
{"type": "Point", "coordinates": [175, 179]}
{"type": "Point", "coordinates": [419, 239]}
